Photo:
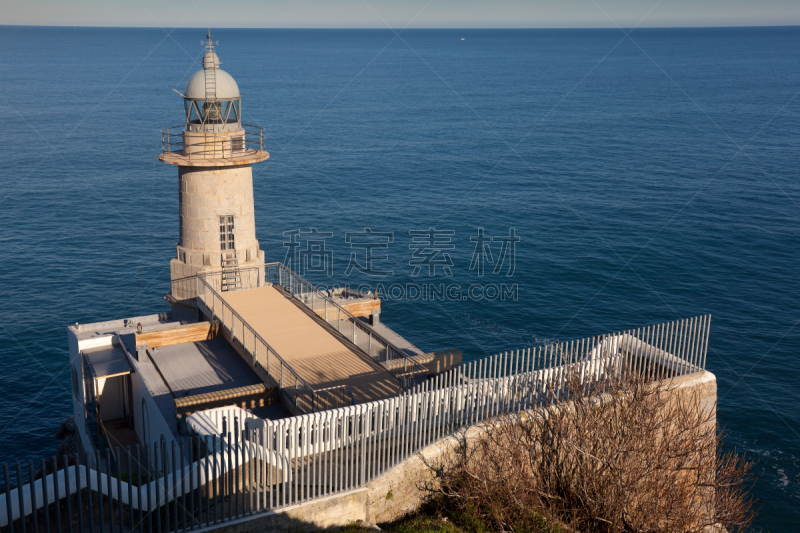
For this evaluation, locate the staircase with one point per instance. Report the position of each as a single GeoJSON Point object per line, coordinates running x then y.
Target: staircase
{"type": "Point", "coordinates": [231, 279]}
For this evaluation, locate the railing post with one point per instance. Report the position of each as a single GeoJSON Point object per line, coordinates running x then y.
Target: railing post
{"type": "Point", "coordinates": [9, 516]}
{"type": "Point", "coordinates": [21, 501]}
{"type": "Point", "coordinates": [32, 486]}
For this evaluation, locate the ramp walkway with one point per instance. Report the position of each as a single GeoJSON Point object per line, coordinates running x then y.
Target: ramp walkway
{"type": "Point", "coordinates": [316, 353]}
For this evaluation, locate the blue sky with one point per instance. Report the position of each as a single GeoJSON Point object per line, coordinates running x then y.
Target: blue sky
{"type": "Point", "coordinates": [400, 13]}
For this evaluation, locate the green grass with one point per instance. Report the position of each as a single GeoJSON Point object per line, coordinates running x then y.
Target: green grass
{"type": "Point", "coordinates": [438, 517]}
{"type": "Point", "coordinates": [425, 524]}
{"type": "Point", "coordinates": [414, 524]}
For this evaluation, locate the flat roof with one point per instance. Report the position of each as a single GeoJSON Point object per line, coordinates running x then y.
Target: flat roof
{"type": "Point", "coordinates": [123, 325]}
{"type": "Point", "coordinates": [200, 367]}
{"type": "Point", "coordinates": [107, 361]}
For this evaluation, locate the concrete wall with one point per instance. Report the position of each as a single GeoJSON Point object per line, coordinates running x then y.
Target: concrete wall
{"type": "Point", "coordinates": [326, 513]}
{"type": "Point", "coordinates": [399, 490]}
{"type": "Point", "coordinates": [111, 396]}
{"type": "Point", "coordinates": [76, 366]}
{"type": "Point", "coordinates": [148, 420]}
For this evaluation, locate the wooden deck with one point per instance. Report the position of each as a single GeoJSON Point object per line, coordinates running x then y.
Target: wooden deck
{"type": "Point", "coordinates": [315, 352]}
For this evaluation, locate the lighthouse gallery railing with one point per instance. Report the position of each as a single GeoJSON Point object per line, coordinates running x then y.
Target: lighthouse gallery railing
{"type": "Point", "coordinates": [212, 145]}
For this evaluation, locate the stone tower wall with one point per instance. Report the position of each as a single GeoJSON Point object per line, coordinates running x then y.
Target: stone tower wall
{"type": "Point", "coordinates": [205, 194]}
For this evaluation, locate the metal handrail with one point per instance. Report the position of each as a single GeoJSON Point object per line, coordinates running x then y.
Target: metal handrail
{"type": "Point", "coordinates": [364, 327]}
{"type": "Point", "coordinates": [416, 367]}
{"type": "Point", "coordinates": [257, 337]}
{"type": "Point", "coordinates": [252, 140]}
{"type": "Point", "coordinates": [314, 392]}
{"type": "Point", "coordinates": [335, 387]}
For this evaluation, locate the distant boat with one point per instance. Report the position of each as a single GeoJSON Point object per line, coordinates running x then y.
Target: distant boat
{"type": "Point", "coordinates": [462, 39]}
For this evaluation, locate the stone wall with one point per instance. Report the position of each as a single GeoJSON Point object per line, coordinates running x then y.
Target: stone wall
{"type": "Point", "coordinates": [400, 490]}
{"type": "Point", "coordinates": [205, 194]}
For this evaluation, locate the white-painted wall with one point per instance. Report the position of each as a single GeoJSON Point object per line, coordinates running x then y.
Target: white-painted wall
{"type": "Point", "coordinates": [111, 396]}
{"type": "Point", "coordinates": [148, 421]}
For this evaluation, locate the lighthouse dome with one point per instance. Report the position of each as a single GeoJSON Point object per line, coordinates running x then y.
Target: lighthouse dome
{"type": "Point", "coordinates": [224, 84]}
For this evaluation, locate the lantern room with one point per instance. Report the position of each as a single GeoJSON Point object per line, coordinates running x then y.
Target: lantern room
{"type": "Point", "coordinates": [212, 102]}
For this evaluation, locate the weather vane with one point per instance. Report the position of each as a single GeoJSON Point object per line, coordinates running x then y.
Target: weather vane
{"type": "Point", "coordinates": [209, 44]}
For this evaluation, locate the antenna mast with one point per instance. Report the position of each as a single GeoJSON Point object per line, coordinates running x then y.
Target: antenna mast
{"type": "Point", "coordinates": [209, 44]}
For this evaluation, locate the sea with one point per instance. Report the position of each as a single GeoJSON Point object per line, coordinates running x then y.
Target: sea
{"type": "Point", "coordinates": [501, 189]}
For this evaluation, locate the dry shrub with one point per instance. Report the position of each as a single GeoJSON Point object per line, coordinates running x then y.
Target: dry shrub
{"type": "Point", "coordinates": [633, 457]}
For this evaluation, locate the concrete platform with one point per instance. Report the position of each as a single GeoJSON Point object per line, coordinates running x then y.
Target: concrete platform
{"type": "Point", "coordinates": [395, 338]}
{"type": "Point", "coordinates": [317, 355]}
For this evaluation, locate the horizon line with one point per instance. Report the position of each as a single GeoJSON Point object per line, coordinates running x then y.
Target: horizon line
{"type": "Point", "coordinates": [555, 27]}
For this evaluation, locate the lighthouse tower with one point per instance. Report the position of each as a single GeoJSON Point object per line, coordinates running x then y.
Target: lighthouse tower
{"type": "Point", "coordinates": [214, 153]}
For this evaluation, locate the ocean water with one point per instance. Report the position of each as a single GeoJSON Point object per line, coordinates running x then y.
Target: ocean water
{"type": "Point", "coordinates": [648, 178]}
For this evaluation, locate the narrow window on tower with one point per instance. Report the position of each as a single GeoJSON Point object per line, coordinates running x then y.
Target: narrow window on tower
{"type": "Point", "coordinates": [226, 241]}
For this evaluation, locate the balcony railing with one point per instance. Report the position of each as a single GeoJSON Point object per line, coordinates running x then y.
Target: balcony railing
{"type": "Point", "coordinates": [212, 145]}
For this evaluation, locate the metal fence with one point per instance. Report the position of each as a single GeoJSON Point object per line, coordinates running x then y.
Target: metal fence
{"type": "Point", "coordinates": [236, 465]}
{"type": "Point", "coordinates": [357, 331]}
{"type": "Point", "coordinates": [360, 333]}
{"type": "Point", "coordinates": [212, 145]}
{"type": "Point", "coordinates": [209, 292]}
{"type": "Point", "coordinates": [302, 396]}
{"type": "Point", "coordinates": [289, 382]}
